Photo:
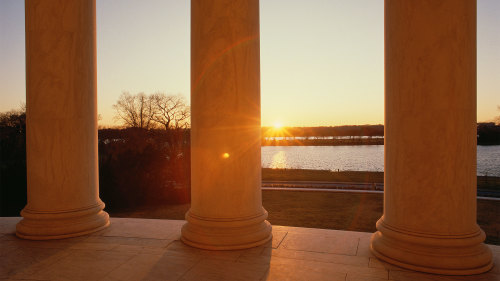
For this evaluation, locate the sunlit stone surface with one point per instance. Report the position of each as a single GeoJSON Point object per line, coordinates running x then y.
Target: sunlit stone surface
{"type": "Point", "coordinates": [429, 220]}
{"type": "Point", "coordinates": [144, 249]}
{"type": "Point", "coordinates": [63, 188]}
{"type": "Point", "coordinates": [226, 201]}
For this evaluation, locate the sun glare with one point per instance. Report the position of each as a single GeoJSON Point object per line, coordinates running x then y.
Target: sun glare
{"type": "Point", "coordinates": [278, 125]}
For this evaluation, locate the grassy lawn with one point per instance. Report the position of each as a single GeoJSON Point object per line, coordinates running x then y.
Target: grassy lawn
{"type": "Point", "coordinates": [489, 182]}
{"type": "Point", "coordinates": [330, 210]}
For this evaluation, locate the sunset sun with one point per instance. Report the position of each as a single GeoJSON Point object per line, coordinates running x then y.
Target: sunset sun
{"type": "Point", "coordinates": [278, 125]}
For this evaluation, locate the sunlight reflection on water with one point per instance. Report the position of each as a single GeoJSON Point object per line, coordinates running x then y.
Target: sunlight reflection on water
{"type": "Point", "coordinates": [356, 158]}
{"type": "Point", "coordinates": [279, 160]}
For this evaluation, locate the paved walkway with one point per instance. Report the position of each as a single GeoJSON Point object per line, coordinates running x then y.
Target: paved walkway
{"type": "Point", "coordinates": [144, 249]}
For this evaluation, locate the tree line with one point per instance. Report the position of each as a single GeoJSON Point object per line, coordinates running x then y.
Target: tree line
{"type": "Point", "coordinates": [147, 162]}
{"type": "Point", "coordinates": [325, 131]}
{"type": "Point", "coordinates": [153, 111]}
{"type": "Point", "coordinates": [13, 180]}
{"type": "Point", "coordinates": [144, 163]}
{"type": "Point", "coordinates": [488, 133]}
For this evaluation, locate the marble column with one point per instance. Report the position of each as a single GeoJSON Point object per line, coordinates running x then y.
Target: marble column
{"type": "Point", "coordinates": [63, 187]}
{"type": "Point", "coordinates": [226, 199]}
{"type": "Point", "coordinates": [429, 221]}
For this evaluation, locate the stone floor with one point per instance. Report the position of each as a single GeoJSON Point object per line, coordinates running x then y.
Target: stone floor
{"type": "Point", "coordinates": [143, 249]}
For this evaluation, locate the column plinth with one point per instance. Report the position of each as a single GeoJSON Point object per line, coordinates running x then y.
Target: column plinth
{"type": "Point", "coordinates": [61, 121]}
{"type": "Point", "coordinates": [226, 198]}
{"type": "Point", "coordinates": [226, 234]}
{"type": "Point", "coordinates": [441, 254]}
{"type": "Point", "coordinates": [429, 222]}
{"type": "Point", "coordinates": [39, 225]}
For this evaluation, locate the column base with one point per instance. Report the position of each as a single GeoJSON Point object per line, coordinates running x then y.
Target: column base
{"type": "Point", "coordinates": [439, 254]}
{"type": "Point", "coordinates": [39, 225]}
{"type": "Point", "coordinates": [226, 234]}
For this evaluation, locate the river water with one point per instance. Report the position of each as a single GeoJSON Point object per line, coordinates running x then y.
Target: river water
{"type": "Point", "coordinates": [356, 158]}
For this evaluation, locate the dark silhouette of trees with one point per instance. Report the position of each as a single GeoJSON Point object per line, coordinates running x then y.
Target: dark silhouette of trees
{"type": "Point", "coordinates": [337, 131]}
{"type": "Point", "coordinates": [12, 162]}
{"type": "Point", "coordinates": [14, 118]}
{"type": "Point", "coordinates": [488, 134]}
{"type": "Point", "coordinates": [143, 167]}
{"type": "Point", "coordinates": [137, 166]}
{"type": "Point", "coordinates": [135, 111]}
{"type": "Point", "coordinates": [170, 111]}
{"type": "Point", "coordinates": [152, 111]}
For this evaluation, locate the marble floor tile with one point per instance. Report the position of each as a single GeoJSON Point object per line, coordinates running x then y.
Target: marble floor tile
{"type": "Point", "coordinates": [8, 225]}
{"type": "Point", "coordinates": [282, 272]}
{"type": "Point", "coordinates": [316, 266]}
{"type": "Point", "coordinates": [83, 265]}
{"type": "Point", "coordinates": [26, 262]}
{"type": "Point", "coordinates": [413, 276]}
{"type": "Point", "coordinates": [45, 244]}
{"type": "Point", "coordinates": [332, 267]}
{"type": "Point", "coordinates": [179, 248]}
{"type": "Point", "coordinates": [93, 246]}
{"type": "Point", "coordinates": [278, 237]}
{"type": "Point", "coordinates": [364, 247]}
{"type": "Point", "coordinates": [218, 270]}
{"type": "Point", "coordinates": [263, 257]}
{"type": "Point", "coordinates": [146, 242]}
{"type": "Point", "coordinates": [344, 245]}
{"type": "Point", "coordinates": [136, 249]}
{"type": "Point", "coordinates": [291, 269]}
{"type": "Point", "coordinates": [353, 276]}
{"type": "Point", "coordinates": [323, 257]}
{"type": "Point", "coordinates": [322, 232]}
{"type": "Point", "coordinates": [9, 279]}
{"type": "Point", "coordinates": [153, 267]}
{"type": "Point", "coordinates": [376, 263]}
{"type": "Point", "coordinates": [496, 263]}
{"type": "Point", "coordinates": [144, 228]}
{"type": "Point", "coordinates": [494, 248]}
{"type": "Point", "coordinates": [6, 247]}
{"type": "Point", "coordinates": [132, 244]}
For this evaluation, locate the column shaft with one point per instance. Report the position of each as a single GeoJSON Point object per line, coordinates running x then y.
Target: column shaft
{"type": "Point", "coordinates": [429, 222]}
{"type": "Point", "coordinates": [226, 201]}
{"type": "Point", "coordinates": [63, 187]}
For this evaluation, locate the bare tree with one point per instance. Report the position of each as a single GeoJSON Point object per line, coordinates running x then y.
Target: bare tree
{"type": "Point", "coordinates": [497, 119]}
{"type": "Point", "coordinates": [171, 112]}
{"type": "Point", "coordinates": [14, 118]}
{"type": "Point", "coordinates": [135, 110]}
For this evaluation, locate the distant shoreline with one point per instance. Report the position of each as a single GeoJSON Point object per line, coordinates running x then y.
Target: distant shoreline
{"type": "Point", "coordinates": [322, 142]}
{"type": "Point", "coordinates": [336, 142]}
